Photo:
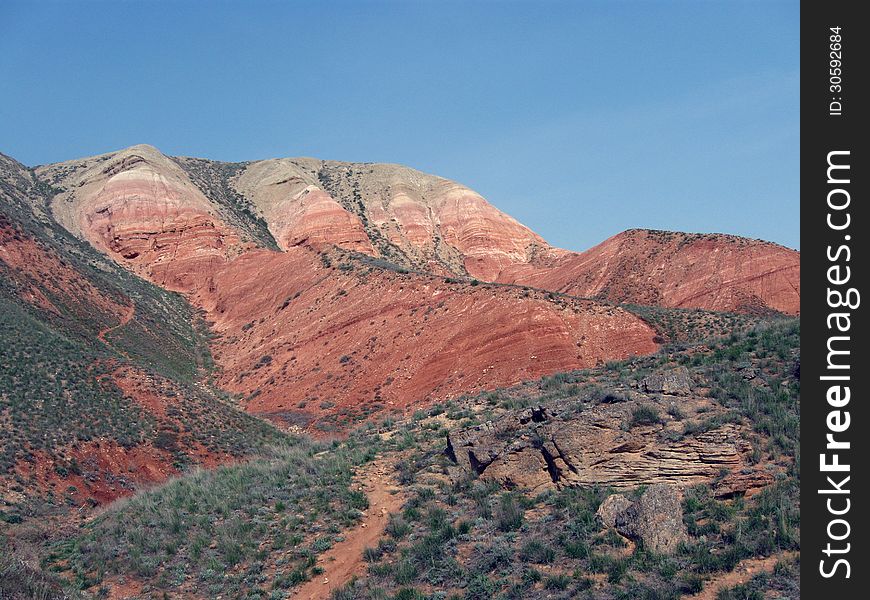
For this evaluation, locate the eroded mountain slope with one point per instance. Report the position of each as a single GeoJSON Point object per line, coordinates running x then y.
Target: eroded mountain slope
{"type": "Point", "coordinates": [386, 210]}
{"type": "Point", "coordinates": [311, 329]}
{"type": "Point", "coordinates": [305, 333]}
{"type": "Point", "coordinates": [409, 218]}
{"type": "Point", "coordinates": [97, 370]}
{"type": "Point", "coordinates": [675, 270]}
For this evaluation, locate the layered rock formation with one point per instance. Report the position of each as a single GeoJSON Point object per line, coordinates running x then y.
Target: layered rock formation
{"type": "Point", "coordinates": [141, 208]}
{"type": "Point", "coordinates": [310, 330]}
{"type": "Point", "coordinates": [409, 218]}
{"type": "Point", "coordinates": [604, 445]}
{"type": "Point", "coordinates": [406, 216]}
{"type": "Point", "coordinates": [298, 336]}
{"type": "Point", "coordinates": [396, 337]}
{"type": "Point", "coordinates": [298, 211]}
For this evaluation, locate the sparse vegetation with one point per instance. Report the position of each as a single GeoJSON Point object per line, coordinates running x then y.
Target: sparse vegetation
{"type": "Point", "coordinates": [645, 415]}
{"type": "Point", "coordinates": [220, 527]}
{"type": "Point", "coordinates": [215, 180]}
{"type": "Point", "coordinates": [76, 379]}
{"type": "Point", "coordinates": [500, 556]}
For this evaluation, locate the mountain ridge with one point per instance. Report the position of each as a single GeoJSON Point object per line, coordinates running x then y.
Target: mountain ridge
{"type": "Point", "coordinates": [144, 211]}
{"type": "Point", "coordinates": [426, 222]}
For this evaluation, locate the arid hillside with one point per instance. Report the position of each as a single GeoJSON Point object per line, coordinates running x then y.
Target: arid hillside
{"type": "Point", "coordinates": [328, 292]}
{"type": "Point", "coordinates": [102, 377]}
{"type": "Point", "coordinates": [351, 380]}
{"type": "Point", "coordinates": [677, 270]}
{"type": "Point", "coordinates": [310, 329]}
{"type": "Point", "coordinates": [301, 334]}
{"type": "Point", "coordinates": [411, 219]}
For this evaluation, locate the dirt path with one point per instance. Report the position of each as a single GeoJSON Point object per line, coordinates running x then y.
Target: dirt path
{"type": "Point", "coordinates": [742, 573]}
{"type": "Point", "coordinates": [345, 559]}
{"type": "Point", "coordinates": [125, 318]}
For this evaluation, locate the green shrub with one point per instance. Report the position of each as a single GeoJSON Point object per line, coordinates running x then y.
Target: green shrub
{"type": "Point", "coordinates": [509, 513]}
{"type": "Point", "coordinates": [557, 582]}
{"type": "Point", "coordinates": [211, 521]}
{"type": "Point", "coordinates": [372, 555]}
{"type": "Point", "coordinates": [645, 414]}
{"type": "Point", "coordinates": [480, 587]}
{"type": "Point", "coordinates": [538, 552]}
{"type": "Point", "coordinates": [397, 527]}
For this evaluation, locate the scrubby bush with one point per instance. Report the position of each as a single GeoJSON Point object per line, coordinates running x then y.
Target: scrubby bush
{"type": "Point", "coordinates": [538, 552]}
{"type": "Point", "coordinates": [646, 414]}
{"type": "Point", "coordinates": [509, 513]}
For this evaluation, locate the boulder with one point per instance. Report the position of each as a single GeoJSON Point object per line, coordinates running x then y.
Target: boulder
{"type": "Point", "coordinates": [612, 507]}
{"type": "Point", "coordinates": [676, 381]}
{"type": "Point", "coordinates": [655, 519]}
{"type": "Point", "coordinates": [557, 446]}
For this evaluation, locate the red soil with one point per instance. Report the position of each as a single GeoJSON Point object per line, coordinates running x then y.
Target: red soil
{"type": "Point", "coordinates": [345, 559]}
{"type": "Point", "coordinates": [39, 272]}
{"type": "Point", "coordinates": [108, 471]}
{"type": "Point", "coordinates": [294, 331]}
{"type": "Point", "coordinates": [125, 318]}
{"type": "Point", "coordinates": [743, 573]}
{"type": "Point", "coordinates": [677, 270]}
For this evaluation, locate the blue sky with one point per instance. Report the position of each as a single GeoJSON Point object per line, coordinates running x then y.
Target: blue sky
{"type": "Point", "coordinates": [581, 119]}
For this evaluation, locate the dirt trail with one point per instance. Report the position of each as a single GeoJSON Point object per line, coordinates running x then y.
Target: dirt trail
{"type": "Point", "coordinates": [742, 573]}
{"type": "Point", "coordinates": [125, 318]}
{"type": "Point", "coordinates": [345, 559]}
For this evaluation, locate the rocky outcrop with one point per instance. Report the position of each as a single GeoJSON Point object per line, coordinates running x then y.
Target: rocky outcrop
{"type": "Point", "coordinates": [746, 481]}
{"type": "Point", "coordinates": [655, 519]}
{"type": "Point", "coordinates": [596, 446]}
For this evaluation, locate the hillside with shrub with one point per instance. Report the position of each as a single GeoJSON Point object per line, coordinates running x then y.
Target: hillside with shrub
{"type": "Point", "coordinates": [318, 379]}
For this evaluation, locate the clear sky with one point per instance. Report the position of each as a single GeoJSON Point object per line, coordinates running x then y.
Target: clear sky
{"type": "Point", "coordinates": [580, 119]}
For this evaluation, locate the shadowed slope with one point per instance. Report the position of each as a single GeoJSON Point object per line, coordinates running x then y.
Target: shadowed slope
{"type": "Point", "coordinates": [97, 369]}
